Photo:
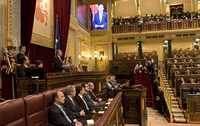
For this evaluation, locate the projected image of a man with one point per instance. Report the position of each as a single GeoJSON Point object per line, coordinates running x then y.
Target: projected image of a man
{"type": "Point", "coordinates": [100, 19]}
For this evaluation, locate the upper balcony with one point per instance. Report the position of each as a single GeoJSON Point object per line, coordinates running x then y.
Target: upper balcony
{"type": "Point", "coordinates": [154, 23]}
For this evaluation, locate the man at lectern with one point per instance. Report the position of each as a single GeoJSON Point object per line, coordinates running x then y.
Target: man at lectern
{"type": "Point", "coordinates": [100, 19]}
{"type": "Point", "coordinates": [58, 64]}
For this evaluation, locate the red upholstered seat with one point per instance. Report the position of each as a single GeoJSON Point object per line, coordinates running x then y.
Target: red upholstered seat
{"type": "Point", "coordinates": [48, 97]}
{"type": "Point", "coordinates": [12, 113]}
{"type": "Point", "coordinates": [35, 110]}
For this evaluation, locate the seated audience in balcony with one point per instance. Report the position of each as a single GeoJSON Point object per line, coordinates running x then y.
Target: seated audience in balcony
{"type": "Point", "coordinates": [79, 68]}
{"type": "Point", "coordinates": [174, 66]}
{"type": "Point", "coordinates": [198, 80]}
{"type": "Point", "coordinates": [72, 106]}
{"type": "Point", "coordinates": [156, 22]}
{"type": "Point", "coordinates": [58, 115]}
{"type": "Point", "coordinates": [188, 72]}
{"type": "Point", "coordinates": [192, 80]}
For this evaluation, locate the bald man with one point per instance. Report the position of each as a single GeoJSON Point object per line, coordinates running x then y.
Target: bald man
{"type": "Point", "coordinates": [58, 115]}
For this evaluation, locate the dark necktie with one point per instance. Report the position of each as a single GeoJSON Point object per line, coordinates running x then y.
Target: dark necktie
{"type": "Point", "coordinates": [84, 102]}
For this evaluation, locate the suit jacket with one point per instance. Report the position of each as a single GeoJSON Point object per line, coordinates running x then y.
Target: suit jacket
{"type": "Point", "coordinates": [73, 108]}
{"type": "Point", "coordinates": [20, 58]}
{"type": "Point", "coordinates": [57, 64]}
{"type": "Point", "coordinates": [83, 106]}
{"type": "Point", "coordinates": [93, 96]}
{"type": "Point", "coordinates": [110, 90]}
{"type": "Point", "coordinates": [56, 117]}
{"type": "Point", "coordinates": [115, 84]}
{"type": "Point", "coordinates": [89, 100]}
{"type": "Point", "coordinates": [104, 20]}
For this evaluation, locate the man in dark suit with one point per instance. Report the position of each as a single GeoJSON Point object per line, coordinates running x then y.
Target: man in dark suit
{"type": "Point", "coordinates": [21, 55]}
{"type": "Point", "coordinates": [110, 90]}
{"type": "Point", "coordinates": [91, 92]}
{"type": "Point", "coordinates": [58, 62]}
{"type": "Point", "coordinates": [92, 102]}
{"type": "Point", "coordinates": [58, 115]}
{"type": "Point", "coordinates": [100, 19]}
{"type": "Point", "coordinates": [114, 82]}
{"type": "Point", "coordinates": [22, 70]}
{"type": "Point", "coordinates": [82, 102]}
{"type": "Point", "coordinates": [72, 106]}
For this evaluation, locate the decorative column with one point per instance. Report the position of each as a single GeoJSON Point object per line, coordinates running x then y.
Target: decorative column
{"type": "Point", "coordinates": [2, 25]}
{"type": "Point", "coordinates": [162, 4]}
{"type": "Point", "coordinates": [140, 51]}
{"type": "Point", "coordinates": [2, 31]}
{"type": "Point", "coordinates": [77, 50]}
{"type": "Point", "coordinates": [167, 8]}
{"type": "Point", "coordinates": [113, 9]}
{"type": "Point", "coordinates": [13, 26]}
{"type": "Point", "coordinates": [109, 6]}
{"type": "Point", "coordinates": [169, 48]}
{"type": "Point", "coordinates": [113, 51]}
{"type": "Point", "coordinates": [138, 5]}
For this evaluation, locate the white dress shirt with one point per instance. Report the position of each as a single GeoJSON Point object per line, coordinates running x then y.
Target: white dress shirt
{"type": "Point", "coordinates": [100, 16]}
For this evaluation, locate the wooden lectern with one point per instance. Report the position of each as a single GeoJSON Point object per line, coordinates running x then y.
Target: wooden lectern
{"type": "Point", "coordinates": [134, 105]}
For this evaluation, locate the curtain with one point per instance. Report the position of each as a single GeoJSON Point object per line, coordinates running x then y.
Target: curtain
{"type": "Point", "coordinates": [62, 9]}
{"type": "Point", "coordinates": [27, 17]}
{"type": "Point", "coordinates": [36, 52]}
{"type": "Point", "coordinates": [42, 53]}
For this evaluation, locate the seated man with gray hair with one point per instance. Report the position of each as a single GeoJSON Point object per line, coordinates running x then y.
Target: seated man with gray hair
{"type": "Point", "coordinates": [72, 106]}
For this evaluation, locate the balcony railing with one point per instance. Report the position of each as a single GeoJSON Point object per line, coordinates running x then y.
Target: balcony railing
{"type": "Point", "coordinates": [155, 26]}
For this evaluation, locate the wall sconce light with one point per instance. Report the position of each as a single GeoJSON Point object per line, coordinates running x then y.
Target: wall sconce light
{"type": "Point", "coordinates": [99, 55]}
{"type": "Point", "coordinates": [166, 41]}
{"type": "Point", "coordinates": [197, 40]}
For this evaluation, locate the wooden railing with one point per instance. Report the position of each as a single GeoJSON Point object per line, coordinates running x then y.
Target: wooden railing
{"type": "Point", "coordinates": [187, 89]}
{"type": "Point", "coordinates": [135, 105]}
{"type": "Point", "coordinates": [193, 108]}
{"type": "Point", "coordinates": [168, 97]}
{"type": "Point", "coordinates": [25, 86]}
{"type": "Point", "coordinates": [55, 80]}
{"type": "Point", "coordinates": [113, 116]}
{"type": "Point", "coordinates": [183, 58]}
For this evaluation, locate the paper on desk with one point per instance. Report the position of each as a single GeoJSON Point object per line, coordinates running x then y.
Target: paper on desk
{"type": "Point", "coordinates": [100, 112]}
{"type": "Point", "coordinates": [90, 122]}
